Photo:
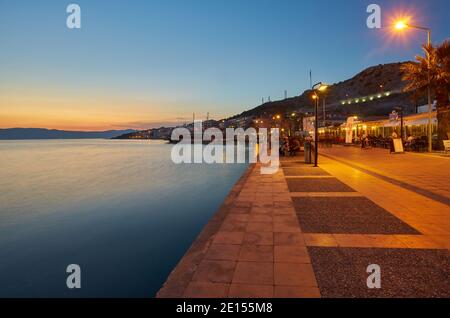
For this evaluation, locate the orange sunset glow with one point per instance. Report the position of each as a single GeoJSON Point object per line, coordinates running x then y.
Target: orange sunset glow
{"type": "Point", "coordinates": [90, 114]}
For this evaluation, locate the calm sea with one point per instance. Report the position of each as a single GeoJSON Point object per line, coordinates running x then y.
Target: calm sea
{"type": "Point", "coordinates": [120, 209]}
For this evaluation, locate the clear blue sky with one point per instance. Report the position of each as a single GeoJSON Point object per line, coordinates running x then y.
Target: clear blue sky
{"type": "Point", "coordinates": [144, 63]}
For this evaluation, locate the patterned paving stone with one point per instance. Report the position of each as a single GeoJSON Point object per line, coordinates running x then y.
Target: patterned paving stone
{"type": "Point", "coordinates": [257, 217]}
{"type": "Point", "coordinates": [233, 226]}
{"type": "Point", "coordinates": [214, 272]}
{"type": "Point", "coordinates": [286, 238]}
{"type": "Point", "coordinates": [225, 237]}
{"type": "Point", "coordinates": [255, 246]}
{"type": "Point", "coordinates": [253, 273]}
{"type": "Point", "coordinates": [223, 252]}
{"type": "Point", "coordinates": [296, 292]}
{"type": "Point", "coordinates": [317, 185]}
{"type": "Point", "coordinates": [206, 290]}
{"type": "Point", "coordinates": [319, 239]}
{"type": "Point", "coordinates": [424, 172]}
{"type": "Point", "coordinates": [291, 254]}
{"type": "Point", "coordinates": [292, 274]}
{"type": "Point", "coordinates": [286, 227]}
{"type": "Point", "coordinates": [250, 291]}
{"type": "Point", "coordinates": [355, 215]}
{"type": "Point", "coordinates": [259, 227]}
{"type": "Point", "coordinates": [261, 238]}
{"type": "Point", "coordinates": [341, 272]}
{"type": "Point", "coordinates": [256, 253]}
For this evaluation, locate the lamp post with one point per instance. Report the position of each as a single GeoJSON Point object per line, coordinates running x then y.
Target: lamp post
{"type": "Point", "coordinates": [316, 88]}
{"type": "Point", "coordinates": [400, 110]}
{"type": "Point", "coordinates": [400, 25]}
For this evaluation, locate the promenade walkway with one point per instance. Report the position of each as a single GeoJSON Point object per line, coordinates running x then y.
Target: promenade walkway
{"type": "Point", "coordinates": [312, 232]}
{"type": "Point", "coordinates": [430, 173]}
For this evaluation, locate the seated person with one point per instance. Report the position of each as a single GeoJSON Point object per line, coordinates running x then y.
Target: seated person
{"type": "Point", "coordinates": [284, 147]}
{"type": "Point", "coordinates": [409, 141]}
{"type": "Point", "coordinates": [295, 146]}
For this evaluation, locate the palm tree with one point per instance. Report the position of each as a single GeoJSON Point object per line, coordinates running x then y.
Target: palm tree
{"type": "Point", "coordinates": [416, 74]}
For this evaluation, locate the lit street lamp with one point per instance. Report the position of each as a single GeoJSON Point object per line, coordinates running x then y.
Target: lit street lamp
{"type": "Point", "coordinates": [400, 110]}
{"type": "Point", "coordinates": [316, 88]}
{"type": "Point", "coordinates": [401, 25]}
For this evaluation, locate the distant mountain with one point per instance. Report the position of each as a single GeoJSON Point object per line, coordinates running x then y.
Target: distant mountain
{"type": "Point", "coordinates": [41, 133]}
{"type": "Point", "coordinates": [364, 85]}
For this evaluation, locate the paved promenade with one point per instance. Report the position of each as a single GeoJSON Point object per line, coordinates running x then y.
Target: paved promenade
{"type": "Point", "coordinates": [430, 173]}
{"type": "Point", "coordinates": [312, 232]}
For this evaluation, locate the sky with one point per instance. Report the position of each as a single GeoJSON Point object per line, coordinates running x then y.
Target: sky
{"type": "Point", "coordinates": [146, 63]}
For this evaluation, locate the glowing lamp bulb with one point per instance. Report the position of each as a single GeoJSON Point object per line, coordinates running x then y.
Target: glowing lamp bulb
{"type": "Point", "coordinates": [400, 25]}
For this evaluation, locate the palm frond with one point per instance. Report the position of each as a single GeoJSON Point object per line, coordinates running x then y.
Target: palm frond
{"type": "Point", "coordinates": [435, 64]}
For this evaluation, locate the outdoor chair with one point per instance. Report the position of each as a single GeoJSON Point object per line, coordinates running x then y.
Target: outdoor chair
{"type": "Point", "coordinates": [421, 144]}
{"type": "Point", "coordinates": [446, 146]}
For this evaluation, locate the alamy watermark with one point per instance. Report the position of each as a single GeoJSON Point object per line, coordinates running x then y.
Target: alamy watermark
{"type": "Point", "coordinates": [374, 279]}
{"type": "Point", "coordinates": [73, 281]}
{"type": "Point", "coordinates": [73, 20]}
{"type": "Point", "coordinates": [229, 149]}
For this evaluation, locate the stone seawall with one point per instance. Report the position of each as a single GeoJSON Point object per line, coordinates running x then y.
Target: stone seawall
{"type": "Point", "coordinates": [183, 272]}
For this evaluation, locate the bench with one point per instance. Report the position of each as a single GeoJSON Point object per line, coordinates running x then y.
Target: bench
{"type": "Point", "coordinates": [446, 146]}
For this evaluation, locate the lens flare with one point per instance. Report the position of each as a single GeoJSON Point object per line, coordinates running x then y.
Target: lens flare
{"type": "Point", "coordinates": [400, 25]}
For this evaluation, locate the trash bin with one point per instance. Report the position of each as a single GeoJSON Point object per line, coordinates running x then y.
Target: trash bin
{"type": "Point", "coordinates": [307, 147]}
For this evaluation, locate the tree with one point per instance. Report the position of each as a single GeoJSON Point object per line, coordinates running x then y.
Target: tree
{"type": "Point", "coordinates": [416, 74]}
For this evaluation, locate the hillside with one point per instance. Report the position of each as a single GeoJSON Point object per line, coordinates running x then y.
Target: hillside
{"type": "Point", "coordinates": [41, 133]}
{"type": "Point", "coordinates": [378, 89]}
{"type": "Point", "coordinates": [364, 85]}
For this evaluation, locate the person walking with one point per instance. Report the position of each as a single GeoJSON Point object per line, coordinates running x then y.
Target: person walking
{"type": "Point", "coordinates": [363, 141]}
{"type": "Point", "coordinates": [393, 136]}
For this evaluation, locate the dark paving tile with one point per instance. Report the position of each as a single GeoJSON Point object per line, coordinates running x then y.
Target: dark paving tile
{"type": "Point", "coordinates": [339, 215]}
{"type": "Point", "coordinates": [341, 272]}
{"type": "Point", "coordinates": [317, 185]}
{"type": "Point", "coordinates": [304, 171]}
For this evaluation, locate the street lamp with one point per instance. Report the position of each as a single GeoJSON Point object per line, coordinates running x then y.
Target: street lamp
{"type": "Point", "coordinates": [400, 110]}
{"type": "Point", "coordinates": [401, 25]}
{"type": "Point", "coordinates": [319, 87]}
